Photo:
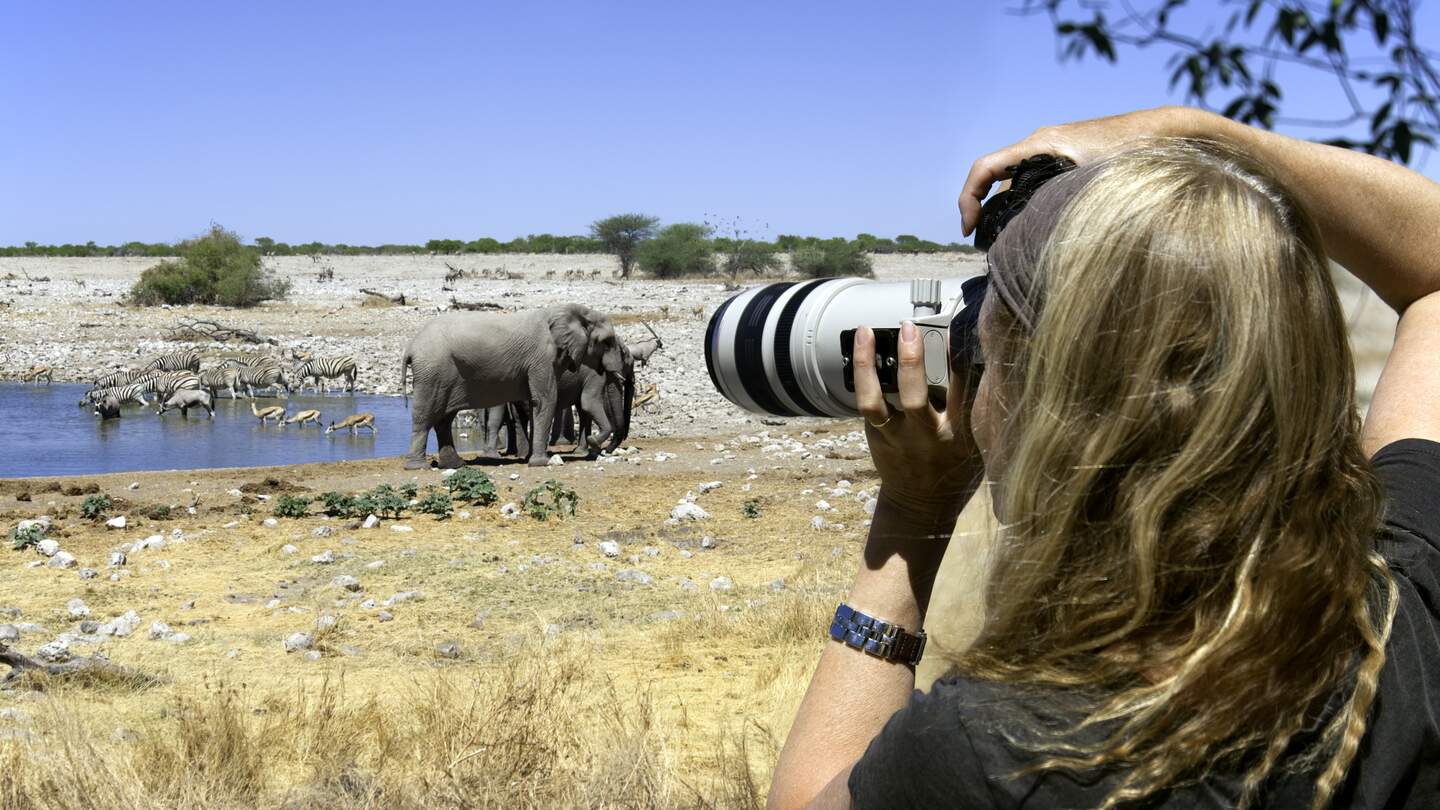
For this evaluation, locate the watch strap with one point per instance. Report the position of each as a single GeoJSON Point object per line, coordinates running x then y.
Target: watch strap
{"type": "Point", "coordinates": [877, 637]}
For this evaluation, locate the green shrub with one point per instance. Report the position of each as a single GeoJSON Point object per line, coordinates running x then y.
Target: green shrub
{"type": "Point", "coordinates": [291, 506]}
{"type": "Point", "coordinates": [751, 508]}
{"type": "Point", "coordinates": [338, 504]}
{"type": "Point", "coordinates": [436, 502]}
{"type": "Point", "coordinates": [748, 255]}
{"type": "Point", "coordinates": [832, 257]}
{"type": "Point", "coordinates": [678, 250]}
{"type": "Point", "coordinates": [409, 491]}
{"type": "Point", "coordinates": [159, 512]}
{"type": "Point", "coordinates": [550, 498]}
{"type": "Point", "coordinates": [29, 536]}
{"type": "Point", "coordinates": [94, 507]}
{"type": "Point", "coordinates": [622, 234]}
{"type": "Point", "coordinates": [382, 501]}
{"type": "Point", "coordinates": [472, 486]}
{"type": "Point", "coordinates": [212, 269]}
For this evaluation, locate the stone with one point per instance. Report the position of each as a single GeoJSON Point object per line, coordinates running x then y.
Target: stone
{"type": "Point", "coordinates": [48, 547]}
{"type": "Point", "coordinates": [323, 558]}
{"type": "Point", "coordinates": [384, 616]}
{"type": "Point", "coordinates": [297, 642]}
{"type": "Point", "coordinates": [270, 523]}
{"type": "Point", "coordinates": [707, 542]}
{"type": "Point", "coordinates": [688, 584]}
{"type": "Point", "coordinates": [597, 566]}
{"type": "Point", "coordinates": [777, 584]}
{"type": "Point", "coordinates": [56, 652]}
{"type": "Point", "coordinates": [870, 505]}
{"type": "Point", "coordinates": [123, 626]}
{"type": "Point", "coordinates": [289, 549]}
{"type": "Point", "coordinates": [327, 621]}
{"type": "Point", "coordinates": [685, 510]}
{"type": "Point", "coordinates": [666, 615]}
{"type": "Point", "coordinates": [14, 715]}
{"type": "Point", "coordinates": [89, 573]}
{"type": "Point", "coordinates": [822, 505]}
{"type": "Point", "coordinates": [401, 597]}
{"type": "Point", "coordinates": [347, 582]}
{"type": "Point", "coordinates": [370, 522]}
{"type": "Point", "coordinates": [234, 524]}
{"type": "Point", "coordinates": [178, 638]}
{"type": "Point", "coordinates": [322, 531]}
{"type": "Point", "coordinates": [134, 485]}
{"type": "Point", "coordinates": [478, 622]}
{"type": "Point", "coordinates": [686, 553]}
{"type": "Point", "coordinates": [377, 564]}
{"type": "Point", "coordinates": [89, 627]}
{"type": "Point", "coordinates": [448, 649]}
{"type": "Point", "coordinates": [401, 528]}
{"type": "Point", "coordinates": [721, 584]}
{"type": "Point", "coordinates": [634, 575]}
{"type": "Point", "coordinates": [160, 630]}
{"type": "Point", "coordinates": [651, 551]}
{"type": "Point", "coordinates": [26, 525]}
{"type": "Point", "coordinates": [313, 655]}
{"type": "Point", "coordinates": [610, 548]}
{"type": "Point", "coordinates": [117, 522]}
{"type": "Point", "coordinates": [510, 511]}
{"type": "Point", "coordinates": [368, 604]}
{"type": "Point", "coordinates": [818, 522]}
{"type": "Point", "coordinates": [77, 608]}
{"type": "Point", "coordinates": [124, 735]}
{"type": "Point", "coordinates": [9, 634]}
{"type": "Point", "coordinates": [555, 461]}
{"type": "Point", "coordinates": [710, 485]}
{"type": "Point", "coordinates": [63, 559]}
{"type": "Point", "coordinates": [154, 542]}
{"type": "Point", "coordinates": [117, 559]}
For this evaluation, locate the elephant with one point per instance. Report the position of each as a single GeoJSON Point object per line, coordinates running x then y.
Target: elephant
{"type": "Point", "coordinates": [598, 397]}
{"type": "Point", "coordinates": [464, 359]}
{"type": "Point", "coordinates": [187, 398]}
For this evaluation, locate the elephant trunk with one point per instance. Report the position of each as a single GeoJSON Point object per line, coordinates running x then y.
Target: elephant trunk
{"type": "Point", "coordinates": [621, 415]}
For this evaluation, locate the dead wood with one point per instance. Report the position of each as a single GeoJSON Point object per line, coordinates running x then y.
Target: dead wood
{"type": "Point", "coordinates": [95, 665]}
{"type": "Point", "coordinates": [475, 306]}
{"type": "Point", "coordinates": [394, 299]}
{"type": "Point", "coordinates": [192, 329]}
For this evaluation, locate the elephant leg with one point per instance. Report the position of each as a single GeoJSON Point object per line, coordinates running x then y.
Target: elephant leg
{"type": "Point", "coordinates": [445, 437]}
{"type": "Point", "coordinates": [492, 424]}
{"type": "Point", "coordinates": [520, 421]}
{"type": "Point", "coordinates": [594, 408]}
{"type": "Point", "coordinates": [419, 435]}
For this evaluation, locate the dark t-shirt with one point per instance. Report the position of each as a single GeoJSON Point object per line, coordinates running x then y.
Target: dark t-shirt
{"type": "Point", "coordinates": [948, 748]}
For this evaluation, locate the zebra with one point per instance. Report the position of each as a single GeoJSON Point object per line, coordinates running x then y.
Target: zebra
{"type": "Point", "coordinates": [121, 394]}
{"type": "Point", "coordinates": [323, 368]}
{"type": "Point", "coordinates": [171, 381]}
{"type": "Point", "coordinates": [270, 375]}
{"type": "Point", "coordinates": [214, 379]}
{"type": "Point", "coordinates": [124, 376]}
{"type": "Point", "coordinates": [178, 360]}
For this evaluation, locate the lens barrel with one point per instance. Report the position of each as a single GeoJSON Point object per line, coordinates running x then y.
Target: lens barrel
{"type": "Point", "coordinates": [776, 349]}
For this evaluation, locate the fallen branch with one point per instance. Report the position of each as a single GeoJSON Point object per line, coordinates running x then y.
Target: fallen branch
{"type": "Point", "coordinates": [394, 299]}
{"type": "Point", "coordinates": [210, 330]}
{"type": "Point", "coordinates": [477, 306]}
{"type": "Point", "coordinates": [651, 394]}
{"type": "Point", "coordinates": [96, 664]}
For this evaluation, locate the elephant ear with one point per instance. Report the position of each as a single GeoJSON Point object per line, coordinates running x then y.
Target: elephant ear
{"type": "Point", "coordinates": [570, 329]}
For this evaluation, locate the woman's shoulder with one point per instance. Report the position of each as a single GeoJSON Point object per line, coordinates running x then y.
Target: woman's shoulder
{"type": "Point", "coordinates": [1409, 472]}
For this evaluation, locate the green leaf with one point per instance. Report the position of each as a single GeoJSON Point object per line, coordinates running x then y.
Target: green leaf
{"type": "Point", "coordinates": [1233, 108]}
{"type": "Point", "coordinates": [1379, 117]}
{"type": "Point", "coordinates": [1380, 21]}
{"type": "Point", "coordinates": [1400, 140]}
{"type": "Point", "coordinates": [1252, 11]}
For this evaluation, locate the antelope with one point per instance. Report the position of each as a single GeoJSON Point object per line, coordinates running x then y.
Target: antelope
{"type": "Point", "coordinates": [646, 347]}
{"type": "Point", "coordinates": [302, 417]}
{"type": "Point", "coordinates": [359, 420]}
{"type": "Point", "coordinates": [34, 373]}
{"type": "Point", "coordinates": [276, 412]}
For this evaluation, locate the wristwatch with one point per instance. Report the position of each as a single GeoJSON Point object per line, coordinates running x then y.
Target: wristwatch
{"type": "Point", "coordinates": [877, 637]}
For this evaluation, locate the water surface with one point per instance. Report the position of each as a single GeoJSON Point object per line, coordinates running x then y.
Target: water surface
{"type": "Point", "coordinates": [43, 432]}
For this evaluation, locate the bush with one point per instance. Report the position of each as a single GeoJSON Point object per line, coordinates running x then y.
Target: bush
{"type": "Point", "coordinates": [339, 504]}
{"type": "Point", "coordinates": [290, 506]}
{"type": "Point", "coordinates": [383, 501]}
{"type": "Point", "coordinates": [436, 502]}
{"type": "Point", "coordinates": [212, 269]}
{"type": "Point", "coordinates": [751, 508]}
{"type": "Point", "coordinates": [472, 486]}
{"type": "Point", "coordinates": [832, 257]}
{"type": "Point", "coordinates": [749, 255]}
{"type": "Point", "coordinates": [563, 501]}
{"type": "Point", "coordinates": [22, 539]}
{"type": "Point", "coordinates": [678, 250]}
{"type": "Point", "coordinates": [94, 507]}
{"type": "Point", "coordinates": [622, 234]}
{"type": "Point", "coordinates": [159, 512]}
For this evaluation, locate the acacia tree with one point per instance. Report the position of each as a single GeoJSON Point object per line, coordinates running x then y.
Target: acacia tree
{"type": "Point", "coordinates": [622, 234]}
{"type": "Point", "coordinates": [1383, 77]}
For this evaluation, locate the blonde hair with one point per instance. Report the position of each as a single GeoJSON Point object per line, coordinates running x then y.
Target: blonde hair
{"type": "Point", "coordinates": [1190, 516]}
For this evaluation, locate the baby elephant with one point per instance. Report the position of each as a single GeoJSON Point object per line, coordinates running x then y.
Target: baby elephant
{"type": "Point", "coordinates": [188, 398]}
{"type": "Point", "coordinates": [108, 408]}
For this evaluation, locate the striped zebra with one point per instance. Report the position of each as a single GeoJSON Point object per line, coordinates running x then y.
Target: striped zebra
{"type": "Point", "coordinates": [178, 360]}
{"type": "Point", "coordinates": [122, 393]}
{"type": "Point", "coordinates": [265, 376]}
{"type": "Point", "coordinates": [216, 379]}
{"type": "Point", "coordinates": [124, 376]}
{"type": "Point", "coordinates": [169, 382]}
{"type": "Point", "coordinates": [322, 368]}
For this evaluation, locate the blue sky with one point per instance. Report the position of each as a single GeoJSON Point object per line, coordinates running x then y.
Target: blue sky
{"type": "Point", "coordinates": [384, 122]}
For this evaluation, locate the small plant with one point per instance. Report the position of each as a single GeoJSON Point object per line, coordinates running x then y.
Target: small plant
{"type": "Point", "coordinates": [436, 502]}
{"type": "Point", "coordinates": [94, 507]}
{"type": "Point", "coordinates": [831, 257]}
{"type": "Point", "coordinates": [472, 486]}
{"type": "Point", "coordinates": [159, 512]}
{"type": "Point", "coordinates": [338, 504]}
{"type": "Point", "coordinates": [384, 500]}
{"type": "Point", "coordinates": [409, 491]}
{"type": "Point", "coordinates": [29, 536]}
{"type": "Point", "coordinates": [751, 508]}
{"type": "Point", "coordinates": [291, 506]}
{"type": "Point", "coordinates": [550, 498]}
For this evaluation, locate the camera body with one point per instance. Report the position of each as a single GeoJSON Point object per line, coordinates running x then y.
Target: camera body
{"type": "Point", "coordinates": [786, 349]}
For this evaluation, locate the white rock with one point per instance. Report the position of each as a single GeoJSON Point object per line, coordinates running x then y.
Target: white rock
{"type": "Point", "coordinates": [555, 461]}
{"type": "Point", "coordinates": [510, 510]}
{"type": "Point", "coordinates": [347, 582]}
{"type": "Point", "coordinates": [178, 638]}
{"type": "Point", "coordinates": [56, 652]}
{"type": "Point", "coordinates": [707, 542]}
{"type": "Point", "coordinates": [870, 505]}
{"type": "Point", "coordinates": [48, 547]}
{"type": "Point", "coordinates": [610, 548]}
{"type": "Point", "coordinates": [818, 522]}
{"type": "Point", "coordinates": [823, 506]}
{"type": "Point", "coordinates": [77, 608]}
{"type": "Point", "coordinates": [709, 485]}
{"type": "Point", "coordinates": [270, 523]}
{"type": "Point", "coordinates": [154, 541]}
{"type": "Point", "coordinates": [63, 559]}
{"type": "Point", "coordinates": [403, 596]}
{"type": "Point", "coordinates": [297, 642]}
{"type": "Point", "coordinates": [374, 565]}
{"type": "Point", "coordinates": [117, 522]}
{"type": "Point", "coordinates": [721, 584]}
{"type": "Point", "coordinates": [160, 630]}
{"type": "Point", "coordinates": [401, 528]}
{"type": "Point", "coordinates": [134, 485]}
{"type": "Point", "coordinates": [324, 558]}
{"type": "Point", "coordinates": [688, 511]}
{"type": "Point", "coordinates": [289, 549]}
{"type": "Point", "coordinates": [370, 522]}
{"type": "Point", "coordinates": [231, 525]}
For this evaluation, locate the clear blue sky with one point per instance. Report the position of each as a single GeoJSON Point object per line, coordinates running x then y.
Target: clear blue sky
{"type": "Point", "coordinates": [367, 122]}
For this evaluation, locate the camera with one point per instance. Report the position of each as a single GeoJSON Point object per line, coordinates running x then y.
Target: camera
{"type": "Point", "coordinates": [786, 349]}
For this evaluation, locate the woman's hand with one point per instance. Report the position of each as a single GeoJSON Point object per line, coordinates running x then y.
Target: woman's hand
{"type": "Point", "coordinates": [927, 459]}
{"type": "Point", "coordinates": [1081, 141]}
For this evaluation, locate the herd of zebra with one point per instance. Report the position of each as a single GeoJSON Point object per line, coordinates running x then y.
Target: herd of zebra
{"type": "Point", "coordinates": [176, 381]}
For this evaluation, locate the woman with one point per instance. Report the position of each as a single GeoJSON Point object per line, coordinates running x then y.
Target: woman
{"type": "Point", "coordinates": [1211, 587]}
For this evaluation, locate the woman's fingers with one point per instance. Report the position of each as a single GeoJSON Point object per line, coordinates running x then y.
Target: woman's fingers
{"type": "Point", "coordinates": [983, 174]}
{"type": "Point", "coordinates": [914, 388]}
{"type": "Point", "coordinates": [869, 399]}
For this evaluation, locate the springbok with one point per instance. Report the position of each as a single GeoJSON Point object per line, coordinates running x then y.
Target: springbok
{"type": "Point", "coordinates": [359, 420]}
{"type": "Point", "coordinates": [276, 412]}
{"type": "Point", "coordinates": [301, 418]}
{"type": "Point", "coordinates": [34, 373]}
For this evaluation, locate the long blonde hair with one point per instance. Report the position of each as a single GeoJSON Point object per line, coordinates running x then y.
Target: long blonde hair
{"type": "Point", "coordinates": [1190, 516]}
